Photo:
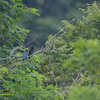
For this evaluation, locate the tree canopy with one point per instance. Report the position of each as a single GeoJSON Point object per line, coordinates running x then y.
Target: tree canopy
{"type": "Point", "coordinates": [66, 68]}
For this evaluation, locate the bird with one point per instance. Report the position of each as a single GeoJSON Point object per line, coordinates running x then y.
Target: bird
{"type": "Point", "coordinates": [25, 54]}
{"type": "Point", "coordinates": [31, 51]}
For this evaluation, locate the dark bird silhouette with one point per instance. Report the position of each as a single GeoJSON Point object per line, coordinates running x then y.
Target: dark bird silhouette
{"type": "Point", "coordinates": [31, 51]}
{"type": "Point", "coordinates": [25, 54]}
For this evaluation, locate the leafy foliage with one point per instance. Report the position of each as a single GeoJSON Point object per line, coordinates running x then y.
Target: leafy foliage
{"type": "Point", "coordinates": [10, 15]}
{"type": "Point", "coordinates": [67, 69]}
{"type": "Point", "coordinates": [79, 46]}
{"type": "Point", "coordinates": [84, 93]}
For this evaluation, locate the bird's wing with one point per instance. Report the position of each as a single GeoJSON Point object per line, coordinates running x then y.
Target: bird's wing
{"type": "Point", "coordinates": [25, 54]}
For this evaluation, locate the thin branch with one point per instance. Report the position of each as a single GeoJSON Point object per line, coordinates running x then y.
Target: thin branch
{"type": "Point", "coordinates": [75, 80]}
{"type": "Point", "coordinates": [56, 35]}
{"type": "Point", "coordinates": [47, 29]}
{"type": "Point", "coordinates": [16, 49]}
{"type": "Point", "coordinates": [20, 44]}
{"type": "Point", "coordinates": [10, 38]}
{"type": "Point", "coordinates": [11, 62]}
{"type": "Point", "coordinates": [31, 41]}
{"type": "Point", "coordinates": [13, 70]}
{"type": "Point", "coordinates": [29, 17]}
{"type": "Point", "coordinates": [9, 55]}
{"type": "Point", "coordinates": [41, 51]}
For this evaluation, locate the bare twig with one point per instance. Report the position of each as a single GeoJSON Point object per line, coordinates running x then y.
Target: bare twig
{"type": "Point", "coordinates": [29, 17]}
{"type": "Point", "coordinates": [9, 55]}
{"type": "Point", "coordinates": [31, 41]}
{"type": "Point", "coordinates": [47, 30]}
{"type": "Point", "coordinates": [20, 44]}
{"type": "Point", "coordinates": [56, 35]}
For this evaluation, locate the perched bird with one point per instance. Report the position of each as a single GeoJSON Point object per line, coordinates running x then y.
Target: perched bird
{"type": "Point", "coordinates": [25, 54]}
{"type": "Point", "coordinates": [31, 51]}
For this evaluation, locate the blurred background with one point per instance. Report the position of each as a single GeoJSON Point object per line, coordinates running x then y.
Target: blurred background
{"type": "Point", "coordinates": [52, 12]}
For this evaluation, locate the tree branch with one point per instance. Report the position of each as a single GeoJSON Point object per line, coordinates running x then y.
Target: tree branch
{"type": "Point", "coordinates": [56, 35]}
{"type": "Point", "coordinates": [10, 38]}
{"type": "Point", "coordinates": [31, 41]}
{"type": "Point", "coordinates": [41, 51]}
{"type": "Point", "coordinates": [9, 55]}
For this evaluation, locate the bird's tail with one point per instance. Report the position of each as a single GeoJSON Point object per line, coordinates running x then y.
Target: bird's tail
{"type": "Point", "coordinates": [29, 55]}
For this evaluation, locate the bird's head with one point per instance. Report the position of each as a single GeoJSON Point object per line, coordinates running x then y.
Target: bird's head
{"type": "Point", "coordinates": [32, 47]}
{"type": "Point", "coordinates": [27, 50]}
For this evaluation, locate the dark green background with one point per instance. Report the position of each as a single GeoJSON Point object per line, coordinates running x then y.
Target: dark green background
{"type": "Point", "coordinates": [52, 12]}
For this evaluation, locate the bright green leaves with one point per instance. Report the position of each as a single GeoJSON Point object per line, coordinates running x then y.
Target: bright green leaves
{"type": "Point", "coordinates": [18, 4]}
{"type": "Point", "coordinates": [85, 57]}
{"type": "Point", "coordinates": [3, 71]}
{"type": "Point", "coordinates": [86, 53]}
{"type": "Point", "coordinates": [13, 1]}
{"type": "Point", "coordinates": [29, 85]}
{"type": "Point", "coordinates": [84, 93]}
{"type": "Point", "coordinates": [22, 78]}
{"type": "Point", "coordinates": [88, 27]}
{"type": "Point", "coordinates": [84, 40]}
{"type": "Point", "coordinates": [91, 21]}
{"type": "Point", "coordinates": [10, 14]}
{"type": "Point", "coordinates": [34, 11]}
{"type": "Point", "coordinates": [32, 63]}
{"type": "Point", "coordinates": [74, 52]}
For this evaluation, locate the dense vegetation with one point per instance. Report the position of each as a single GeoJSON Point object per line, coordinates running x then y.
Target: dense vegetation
{"type": "Point", "coordinates": [67, 68]}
